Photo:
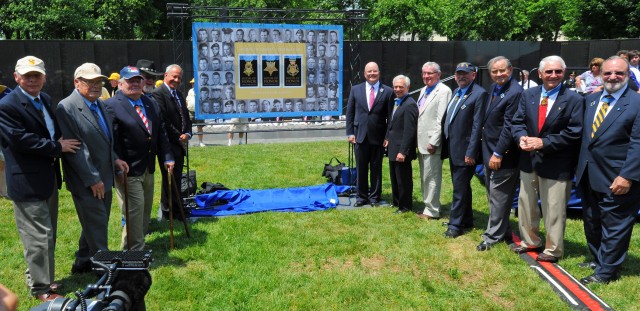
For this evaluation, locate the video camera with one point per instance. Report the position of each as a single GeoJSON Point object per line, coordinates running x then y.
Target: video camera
{"type": "Point", "coordinates": [124, 283]}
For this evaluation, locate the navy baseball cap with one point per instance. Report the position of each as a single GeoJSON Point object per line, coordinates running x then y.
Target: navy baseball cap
{"type": "Point", "coordinates": [129, 72]}
{"type": "Point", "coordinates": [466, 67]}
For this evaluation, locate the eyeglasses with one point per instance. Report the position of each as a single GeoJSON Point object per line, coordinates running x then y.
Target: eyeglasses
{"type": "Point", "coordinates": [617, 73]}
{"type": "Point", "coordinates": [556, 71]}
{"type": "Point", "coordinates": [90, 83]}
{"type": "Point", "coordinates": [429, 73]}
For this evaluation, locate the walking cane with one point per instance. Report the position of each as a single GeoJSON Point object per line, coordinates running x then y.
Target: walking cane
{"type": "Point", "coordinates": [181, 208]}
{"type": "Point", "coordinates": [126, 210]}
{"type": "Point", "coordinates": [170, 175]}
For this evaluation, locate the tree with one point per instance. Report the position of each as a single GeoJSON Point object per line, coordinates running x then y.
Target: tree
{"type": "Point", "coordinates": [606, 19]}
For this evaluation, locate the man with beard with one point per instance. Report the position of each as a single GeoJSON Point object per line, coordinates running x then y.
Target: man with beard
{"type": "Point", "coordinates": [149, 74]}
{"type": "Point", "coordinates": [547, 128]}
{"type": "Point", "coordinates": [609, 171]}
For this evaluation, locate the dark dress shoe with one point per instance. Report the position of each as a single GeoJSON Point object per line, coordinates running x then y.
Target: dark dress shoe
{"type": "Point", "coordinates": [484, 246]}
{"type": "Point", "coordinates": [547, 258]}
{"type": "Point", "coordinates": [401, 211]}
{"type": "Point", "coordinates": [524, 249]}
{"type": "Point", "coordinates": [81, 269]}
{"type": "Point", "coordinates": [56, 287]}
{"type": "Point", "coordinates": [587, 265]}
{"type": "Point", "coordinates": [594, 279]}
{"type": "Point", "coordinates": [427, 217]}
{"type": "Point", "coordinates": [452, 233]}
{"type": "Point", "coordinates": [48, 296]}
{"type": "Point", "coordinates": [360, 203]}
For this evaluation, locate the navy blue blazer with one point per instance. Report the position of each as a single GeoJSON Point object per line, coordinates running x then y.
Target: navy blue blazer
{"type": "Point", "coordinates": [614, 150]}
{"type": "Point", "coordinates": [402, 132]}
{"type": "Point", "coordinates": [464, 130]}
{"type": "Point", "coordinates": [363, 123]}
{"type": "Point", "coordinates": [560, 133]}
{"type": "Point", "coordinates": [496, 125]}
{"type": "Point", "coordinates": [132, 142]}
{"type": "Point", "coordinates": [32, 158]}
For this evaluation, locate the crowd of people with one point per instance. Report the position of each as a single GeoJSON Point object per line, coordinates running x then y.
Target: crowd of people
{"type": "Point", "coordinates": [534, 137]}
{"type": "Point", "coordinates": [537, 138]}
{"type": "Point", "coordinates": [100, 145]}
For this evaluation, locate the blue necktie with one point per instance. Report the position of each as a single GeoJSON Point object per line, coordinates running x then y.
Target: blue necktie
{"type": "Point", "coordinates": [94, 108]}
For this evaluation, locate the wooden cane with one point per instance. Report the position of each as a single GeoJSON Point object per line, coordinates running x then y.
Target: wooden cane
{"type": "Point", "coordinates": [126, 209]}
{"type": "Point", "coordinates": [181, 208]}
{"type": "Point", "coordinates": [170, 175]}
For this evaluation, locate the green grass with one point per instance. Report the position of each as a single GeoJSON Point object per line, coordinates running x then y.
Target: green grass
{"type": "Point", "coordinates": [365, 259]}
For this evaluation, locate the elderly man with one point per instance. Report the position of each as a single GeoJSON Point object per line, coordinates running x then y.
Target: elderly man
{"type": "Point", "coordinates": [32, 146]}
{"type": "Point", "coordinates": [400, 141]}
{"type": "Point", "coordinates": [461, 129]}
{"type": "Point", "coordinates": [175, 116]}
{"type": "Point", "coordinates": [368, 108]}
{"type": "Point", "coordinates": [547, 128]}
{"type": "Point", "coordinates": [432, 104]}
{"type": "Point", "coordinates": [139, 136]}
{"type": "Point", "coordinates": [500, 153]}
{"type": "Point", "coordinates": [609, 171]}
{"type": "Point", "coordinates": [149, 74]}
{"type": "Point", "coordinates": [89, 173]}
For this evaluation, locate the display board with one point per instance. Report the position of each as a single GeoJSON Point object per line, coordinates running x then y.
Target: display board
{"type": "Point", "coordinates": [266, 71]}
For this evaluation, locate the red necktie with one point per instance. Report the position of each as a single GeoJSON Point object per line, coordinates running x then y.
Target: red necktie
{"type": "Point", "coordinates": [143, 117]}
{"type": "Point", "coordinates": [372, 98]}
{"type": "Point", "coordinates": [542, 112]}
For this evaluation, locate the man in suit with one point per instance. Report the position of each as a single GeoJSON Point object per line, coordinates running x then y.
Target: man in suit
{"type": "Point", "coordinates": [400, 142]}
{"type": "Point", "coordinates": [89, 173]}
{"type": "Point", "coordinates": [500, 153]}
{"type": "Point", "coordinates": [432, 104]}
{"type": "Point", "coordinates": [461, 133]}
{"type": "Point", "coordinates": [547, 128]}
{"type": "Point", "coordinates": [138, 135]}
{"type": "Point", "coordinates": [608, 171]}
{"type": "Point", "coordinates": [32, 145]}
{"type": "Point", "coordinates": [175, 116]}
{"type": "Point", "coordinates": [368, 108]}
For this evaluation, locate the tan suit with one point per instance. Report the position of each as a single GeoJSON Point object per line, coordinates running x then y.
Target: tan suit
{"type": "Point", "coordinates": [430, 116]}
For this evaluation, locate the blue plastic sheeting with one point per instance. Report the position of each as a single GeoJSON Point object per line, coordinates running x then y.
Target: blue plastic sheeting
{"type": "Point", "coordinates": [247, 201]}
{"type": "Point", "coordinates": [574, 201]}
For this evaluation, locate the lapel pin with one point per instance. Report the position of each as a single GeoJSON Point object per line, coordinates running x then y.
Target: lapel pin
{"type": "Point", "coordinates": [502, 95]}
{"type": "Point", "coordinates": [463, 106]}
{"type": "Point", "coordinates": [618, 109]}
{"type": "Point", "coordinates": [593, 103]}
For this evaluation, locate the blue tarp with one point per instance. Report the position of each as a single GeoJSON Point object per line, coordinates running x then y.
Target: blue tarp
{"type": "Point", "coordinates": [247, 201]}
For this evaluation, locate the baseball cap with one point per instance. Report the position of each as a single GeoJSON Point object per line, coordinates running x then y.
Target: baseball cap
{"type": "Point", "coordinates": [88, 71]}
{"type": "Point", "coordinates": [128, 72]}
{"type": "Point", "coordinates": [114, 76]}
{"type": "Point", "coordinates": [29, 64]}
{"type": "Point", "coordinates": [466, 67]}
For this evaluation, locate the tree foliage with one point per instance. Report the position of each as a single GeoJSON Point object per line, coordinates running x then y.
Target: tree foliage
{"type": "Point", "coordinates": [387, 19]}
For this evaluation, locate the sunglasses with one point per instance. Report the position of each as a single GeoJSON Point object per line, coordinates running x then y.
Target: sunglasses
{"type": "Point", "coordinates": [551, 71]}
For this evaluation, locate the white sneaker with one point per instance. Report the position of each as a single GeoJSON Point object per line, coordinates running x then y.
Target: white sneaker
{"type": "Point", "coordinates": [202, 145]}
{"type": "Point", "coordinates": [230, 142]}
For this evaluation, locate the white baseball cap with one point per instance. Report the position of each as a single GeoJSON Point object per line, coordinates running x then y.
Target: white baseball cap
{"type": "Point", "coordinates": [88, 71]}
{"type": "Point", "coordinates": [29, 64]}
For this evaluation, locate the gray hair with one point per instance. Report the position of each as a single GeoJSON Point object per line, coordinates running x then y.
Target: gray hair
{"type": "Point", "coordinates": [617, 57]}
{"type": "Point", "coordinates": [406, 79]}
{"type": "Point", "coordinates": [553, 58]}
{"type": "Point", "coordinates": [170, 67]}
{"type": "Point", "coordinates": [431, 64]}
{"type": "Point", "coordinates": [497, 59]}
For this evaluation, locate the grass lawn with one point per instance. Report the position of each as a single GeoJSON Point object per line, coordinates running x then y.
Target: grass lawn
{"type": "Point", "coordinates": [365, 259]}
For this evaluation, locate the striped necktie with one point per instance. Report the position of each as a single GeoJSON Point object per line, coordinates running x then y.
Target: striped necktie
{"type": "Point", "coordinates": [602, 112]}
{"type": "Point", "coordinates": [143, 117]}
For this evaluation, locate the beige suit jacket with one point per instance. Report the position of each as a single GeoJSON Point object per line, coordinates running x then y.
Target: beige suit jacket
{"type": "Point", "coordinates": [430, 117]}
